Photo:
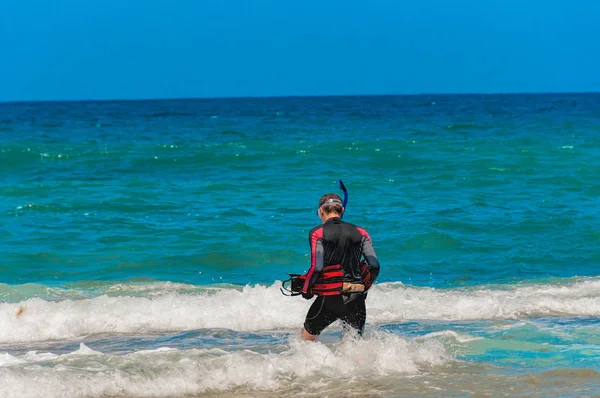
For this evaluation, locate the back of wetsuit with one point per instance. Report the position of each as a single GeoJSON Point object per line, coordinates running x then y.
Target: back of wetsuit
{"type": "Point", "coordinates": [339, 243]}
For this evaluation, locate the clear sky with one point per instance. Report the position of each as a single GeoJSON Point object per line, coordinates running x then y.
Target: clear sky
{"type": "Point", "coordinates": [113, 49]}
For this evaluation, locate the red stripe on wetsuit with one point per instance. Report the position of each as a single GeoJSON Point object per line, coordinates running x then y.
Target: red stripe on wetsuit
{"type": "Point", "coordinates": [330, 280]}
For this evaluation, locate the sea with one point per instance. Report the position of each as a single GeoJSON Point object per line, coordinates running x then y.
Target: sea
{"type": "Point", "coordinates": [143, 245]}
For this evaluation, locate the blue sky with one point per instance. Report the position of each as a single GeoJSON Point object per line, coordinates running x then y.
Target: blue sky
{"type": "Point", "coordinates": [113, 49]}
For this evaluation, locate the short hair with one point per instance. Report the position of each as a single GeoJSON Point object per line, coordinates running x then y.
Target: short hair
{"type": "Point", "coordinates": [331, 207]}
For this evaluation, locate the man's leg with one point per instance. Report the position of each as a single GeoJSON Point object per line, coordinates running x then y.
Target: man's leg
{"type": "Point", "coordinates": [321, 314]}
{"type": "Point", "coordinates": [307, 336]}
{"type": "Point", "coordinates": [356, 312]}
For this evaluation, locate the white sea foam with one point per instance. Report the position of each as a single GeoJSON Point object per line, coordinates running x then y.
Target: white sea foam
{"type": "Point", "coordinates": [459, 337]}
{"type": "Point", "coordinates": [172, 308]}
{"type": "Point", "coordinates": [173, 372]}
{"type": "Point", "coordinates": [250, 309]}
{"type": "Point", "coordinates": [395, 303]}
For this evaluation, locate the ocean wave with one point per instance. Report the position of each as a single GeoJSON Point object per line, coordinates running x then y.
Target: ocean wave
{"type": "Point", "coordinates": [166, 372]}
{"type": "Point", "coordinates": [167, 307]}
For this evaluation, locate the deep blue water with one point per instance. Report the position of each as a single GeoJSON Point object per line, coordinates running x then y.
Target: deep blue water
{"type": "Point", "coordinates": [161, 229]}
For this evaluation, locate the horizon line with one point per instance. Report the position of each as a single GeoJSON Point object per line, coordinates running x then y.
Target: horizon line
{"type": "Point", "coordinates": [210, 98]}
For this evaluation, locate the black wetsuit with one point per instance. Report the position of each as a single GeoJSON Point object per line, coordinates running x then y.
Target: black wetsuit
{"type": "Point", "coordinates": [338, 242]}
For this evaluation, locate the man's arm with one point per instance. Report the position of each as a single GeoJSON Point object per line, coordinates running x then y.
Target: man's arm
{"type": "Point", "coordinates": [316, 259]}
{"type": "Point", "coordinates": [370, 255]}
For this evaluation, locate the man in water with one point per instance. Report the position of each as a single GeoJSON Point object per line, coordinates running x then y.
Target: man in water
{"type": "Point", "coordinates": [334, 276]}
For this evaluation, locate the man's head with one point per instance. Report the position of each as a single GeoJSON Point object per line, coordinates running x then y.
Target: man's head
{"type": "Point", "coordinates": [330, 205]}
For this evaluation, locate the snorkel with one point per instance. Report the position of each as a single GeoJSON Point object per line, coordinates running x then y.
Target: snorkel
{"type": "Point", "coordinates": [343, 188]}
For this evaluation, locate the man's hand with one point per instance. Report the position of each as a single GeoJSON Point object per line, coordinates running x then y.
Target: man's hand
{"type": "Point", "coordinates": [307, 296]}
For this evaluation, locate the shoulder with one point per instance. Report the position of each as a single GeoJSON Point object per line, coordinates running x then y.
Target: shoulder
{"type": "Point", "coordinates": [360, 230]}
{"type": "Point", "coordinates": [316, 232]}
{"type": "Point", "coordinates": [363, 232]}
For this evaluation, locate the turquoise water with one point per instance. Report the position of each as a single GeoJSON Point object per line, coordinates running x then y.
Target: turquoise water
{"type": "Point", "coordinates": [143, 244]}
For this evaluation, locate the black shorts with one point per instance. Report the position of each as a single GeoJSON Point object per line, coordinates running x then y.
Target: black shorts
{"type": "Point", "coordinates": [349, 308]}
